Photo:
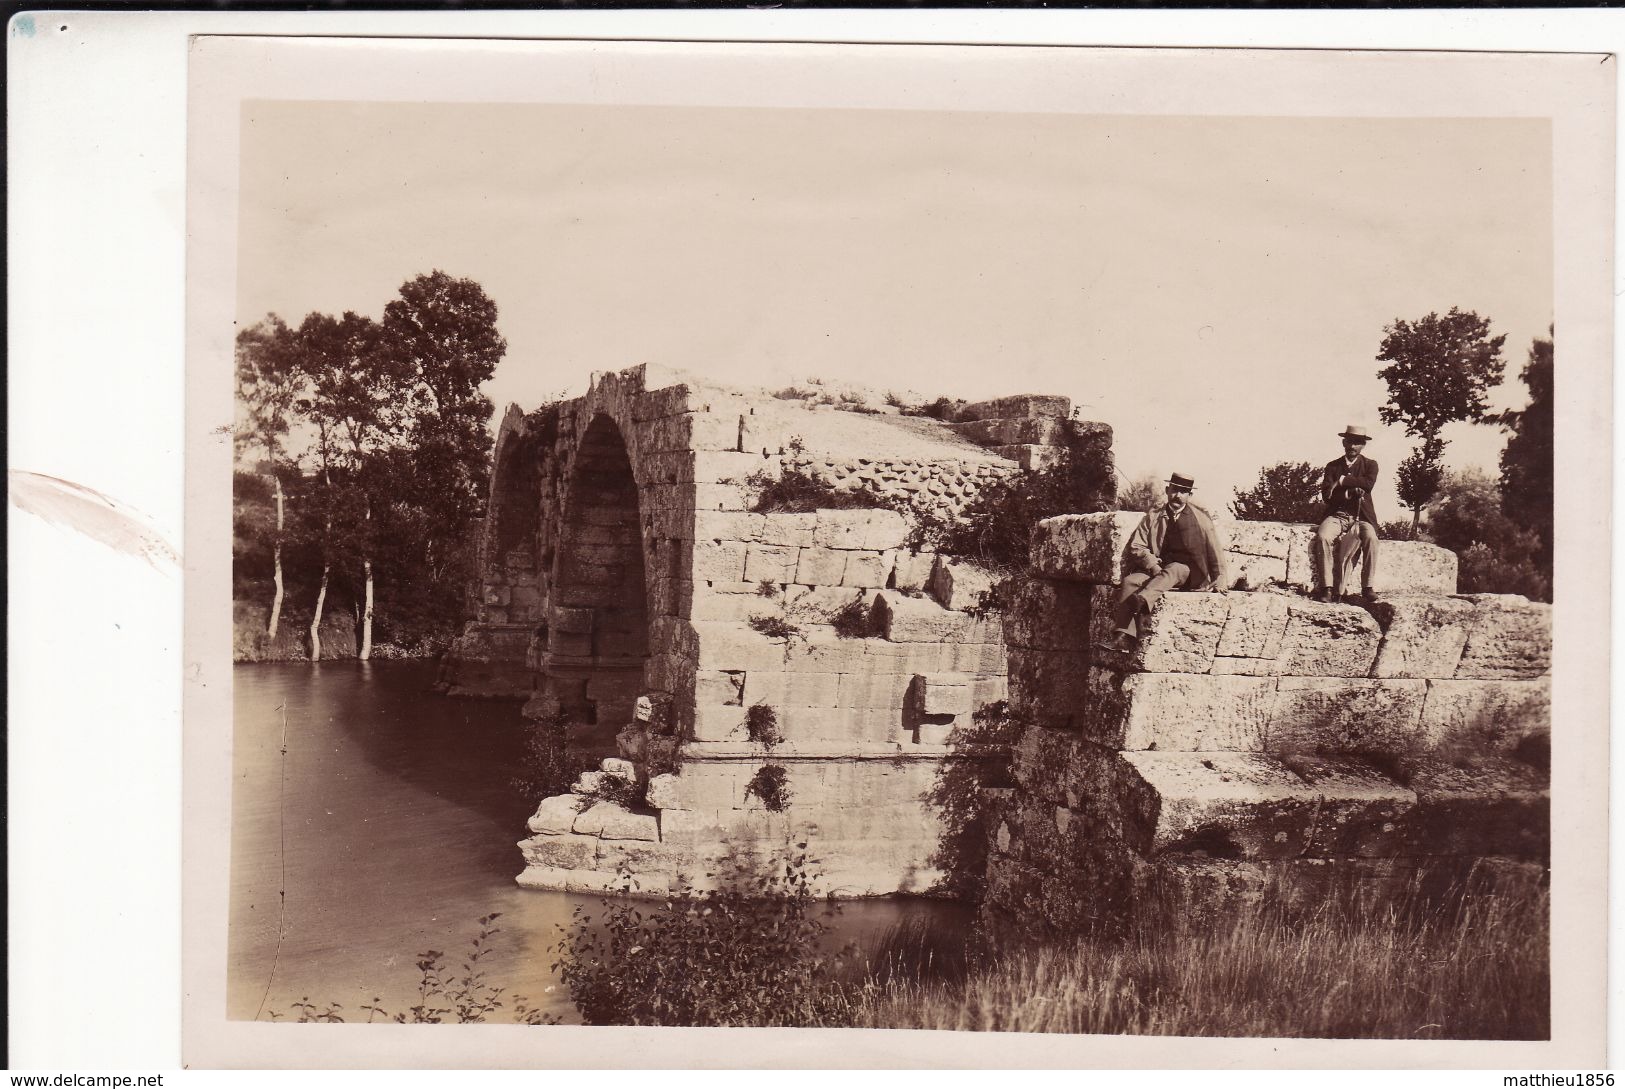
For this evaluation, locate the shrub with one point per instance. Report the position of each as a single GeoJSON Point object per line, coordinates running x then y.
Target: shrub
{"type": "Point", "coordinates": [994, 528]}
{"type": "Point", "coordinates": [626, 793]}
{"type": "Point", "coordinates": [762, 725]}
{"type": "Point", "coordinates": [767, 588]}
{"type": "Point", "coordinates": [774, 627]}
{"type": "Point", "coordinates": [851, 621]}
{"type": "Point", "coordinates": [795, 491]}
{"type": "Point", "coordinates": [547, 764]}
{"type": "Point", "coordinates": [746, 954]}
{"type": "Point", "coordinates": [978, 761]}
{"type": "Point", "coordinates": [943, 408]}
{"type": "Point", "coordinates": [771, 785]}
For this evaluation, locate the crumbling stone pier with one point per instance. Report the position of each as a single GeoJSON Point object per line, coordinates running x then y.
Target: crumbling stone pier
{"type": "Point", "coordinates": [1258, 742]}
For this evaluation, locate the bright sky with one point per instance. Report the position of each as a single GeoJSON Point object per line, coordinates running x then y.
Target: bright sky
{"type": "Point", "coordinates": [1214, 288]}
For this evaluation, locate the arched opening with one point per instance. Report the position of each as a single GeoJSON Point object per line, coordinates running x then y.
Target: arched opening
{"type": "Point", "coordinates": [598, 626]}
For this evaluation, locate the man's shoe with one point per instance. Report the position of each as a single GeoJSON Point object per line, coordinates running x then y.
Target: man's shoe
{"type": "Point", "coordinates": [1368, 597]}
{"type": "Point", "coordinates": [1321, 595]}
{"type": "Point", "coordinates": [1119, 644]}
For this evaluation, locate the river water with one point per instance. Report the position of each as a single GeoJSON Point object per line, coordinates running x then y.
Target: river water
{"type": "Point", "coordinates": [390, 826]}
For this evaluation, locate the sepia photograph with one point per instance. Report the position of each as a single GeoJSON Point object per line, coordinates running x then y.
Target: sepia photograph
{"type": "Point", "coordinates": [1044, 541]}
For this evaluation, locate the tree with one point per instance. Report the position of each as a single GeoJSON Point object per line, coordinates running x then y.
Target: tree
{"type": "Point", "coordinates": [356, 394]}
{"type": "Point", "coordinates": [1288, 491]}
{"type": "Point", "coordinates": [1439, 371]}
{"type": "Point", "coordinates": [269, 383]}
{"type": "Point", "coordinates": [1497, 556]}
{"type": "Point", "coordinates": [1141, 493]}
{"type": "Point", "coordinates": [1526, 463]}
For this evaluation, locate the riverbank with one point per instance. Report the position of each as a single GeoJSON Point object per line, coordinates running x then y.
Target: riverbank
{"type": "Point", "coordinates": [339, 638]}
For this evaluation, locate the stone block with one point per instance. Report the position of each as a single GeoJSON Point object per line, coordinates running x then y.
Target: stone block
{"type": "Point", "coordinates": [1323, 640]}
{"type": "Point", "coordinates": [771, 563]}
{"type": "Point", "coordinates": [554, 816]}
{"type": "Point", "coordinates": [720, 496]}
{"type": "Point", "coordinates": [942, 694]}
{"type": "Point", "coordinates": [1479, 806]}
{"type": "Point", "coordinates": [1083, 547]}
{"type": "Point", "coordinates": [1015, 406]}
{"type": "Point", "coordinates": [1423, 636]}
{"type": "Point", "coordinates": [720, 467]}
{"type": "Point", "coordinates": [616, 768]}
{"type": "Point", "coordinates": [1485, 716]}
{"type": "Point", "coordinates": [1046, 686]}
{"type": "Point", "coordinates": [1183, 633]}
{"type": "Point", "coordinates": [719, 722]}
{"type": "Point", "coordinates": [798, 688]}
{"type": "Point", "coordinates": [875, 530]}
{"type": "Point", "coordinates": [987, 658]}
{"type": "Point", "coordinates": [1048, 614]}
{"type": "Point", "coordinates": [956, 584]}
{"type": "Point", "coordinates": [1021, 431]}
{"type": "Point", "coordinates": [573, 621]}
{"type": "Point", "coordinates": [822, 651]}
{"type": "Point", "coordinates": [719, 686]}
{"type": "Point", "coordinates": [719, 561]}
{"type": "Point", "coordinates": [1243, 806]}
{"type": "Point", "coordinates": [728, 525]}
{"type": "Point", "coordinates": [869, 689]}
{"type": "Point", "coordinates": [663, 792]}
{"type": "Point", "coordinates": [1262, 540]}
{"type": "Point", "coordinates": [1178, 711]}
{"type": "Point", "coordinates": [736, 608]}
{"type": "Point", "coordinates": [569, 644]}
{"type": "Point", "coordinates": [1254, 626]}
{"type": "Point", "coordinates": [820, 567]}
{"type": "Point", "coordinates": [1361, 807]}
{"type": "Point", "coordinates": [1346, 715]}
{"type": "Point", "coordinates": [610, 821]}
{"type": "Point", "coordinates": [868, 570]}
{"type": "Point", "coordinates": [794, 530]}
{"type": "Point", "coordinates": [1254, 572]}
{"type": "Point", "coordinates": [918, 620]}
{"type": "Point", "coordinates": [1509, 636]}
{"type": "Point", "coordinates": [729, 646]}
{"type": "Point", "coordinates": [912, 570]}
{"type": "Point", "coordinates": [566, 852]}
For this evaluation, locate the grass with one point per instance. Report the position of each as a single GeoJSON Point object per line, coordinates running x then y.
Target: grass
{"type": "Point", "coordinates": [1475, 970]}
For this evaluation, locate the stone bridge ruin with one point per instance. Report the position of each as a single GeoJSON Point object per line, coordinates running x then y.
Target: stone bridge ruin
{"type": "Point", "coordinates": [622, 557]}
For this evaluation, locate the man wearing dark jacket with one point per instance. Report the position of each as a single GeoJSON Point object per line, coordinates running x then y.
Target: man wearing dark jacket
{"type": "Point", "coordinates": [1349, 521]}
{"type": "Point", "coordinates": [1173, 548]}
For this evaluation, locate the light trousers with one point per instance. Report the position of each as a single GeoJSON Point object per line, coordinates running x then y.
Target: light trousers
{"type": "Point", "coordinates": [1336, 539]}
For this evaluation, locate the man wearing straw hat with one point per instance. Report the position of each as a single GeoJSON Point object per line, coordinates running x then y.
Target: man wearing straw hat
{"type": "Point", "coordinates": [1350, 521]}
{"type": "Point", "coordinates": [1173, 548]}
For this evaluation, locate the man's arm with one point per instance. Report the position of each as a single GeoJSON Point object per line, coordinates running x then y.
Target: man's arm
{"type": "Point", "coordinates": [1139, 547]}
{"type": "Point", "coordinates": [1364, 476]}
{"type": "Point", "coordinates": [1328, 482]}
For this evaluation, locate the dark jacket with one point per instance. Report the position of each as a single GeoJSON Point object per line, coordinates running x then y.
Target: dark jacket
{"type": "Point", "coordinates": [1361, 479]}
{"type": "Point", "coordinates": [1145, 546]}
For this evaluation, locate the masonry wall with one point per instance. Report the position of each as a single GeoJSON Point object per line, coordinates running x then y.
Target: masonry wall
{"type": "Point", "coordinates": [1259, 742]}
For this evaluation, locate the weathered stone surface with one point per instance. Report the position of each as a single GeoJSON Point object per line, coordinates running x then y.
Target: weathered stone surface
{"type": "Point", "coordinates": [720, 561]}
{"type": "Point", "coordinates": [1030, 430]}
{"type": "Point", "coordinates": [1179, 711]}
{"type": "Point", "coordinates": [610, 821]}
{"type": "Point", "coordinates": [1328, 640]}
{"type": "Point", "coordinates": [916, 620]}
{"type": "Point", "coordinates": [1048, 614]}
{"type": "Point", "coordinates": [588, 782]}
{"type": "Point", "coordinates": [821, 566]}
{"type": "Point", "coordinates": [1509, 636]}
{"type": "Point", "coordinates": [1253, 626]}
{"type": "Point", "coordinates": [956, 584]}
{"type": "Point", "coordinates": [616, 768]}
{"type": "Point", "coordinates": [1347, 715]}
{"type": "Point", "coordinates": [1233, 805]}
{"type": "Point", "coordinates": [913, 570]}
{"type": "Point", "coordinates": [555, 815]}
{"type": "Point", "coordinates": [569, 852]}
{"type": "Point", "coordinates": [788, 529]}
{"type": "Point", "coordinates": [1183, 633]}
{"type": "Point", "coordinates": [942, 694]}
{"type": "Point", "coordinates": [663, 792]}
{"type": "Point", "coordinates": [1265, 540]}
{"type": "Point", "coordinates": [1047, 686]}
{"type": "Point", "coordinates": [1015, 406]}
{"type": "Point", "coordinates": [1476, 806]}
{"type": "Point", "coordinates": [736, 646]}
{"type": "Point", "coordinates": [866, 529]}
{"type": "Point", "coordinates": [868, 570]}
{"type": "Point", "coordinates": [1361, 807]}
{"type": "Point", "coordinates": [1083, 547]}
{"type": "Point", "coordinates": [1423, 635]}
{"type": "Point", "coordinates": [799, 688]}
{"type": "Point", "coordinates": [771, 563]}
{"type": "Point", "coordinates": [1485, 716]}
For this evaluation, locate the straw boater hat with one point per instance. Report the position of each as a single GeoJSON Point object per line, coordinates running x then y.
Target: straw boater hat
{"type": "Point", "coordinates": [1355, 431]}
{"type": "Point", "coordinates": [1179, 480]}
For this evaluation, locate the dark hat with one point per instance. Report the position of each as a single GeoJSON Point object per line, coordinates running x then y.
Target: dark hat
{"type": "Point", "coordinates": [1355, 431]}
{"type": "Point", "coordinates": [1179, 480]}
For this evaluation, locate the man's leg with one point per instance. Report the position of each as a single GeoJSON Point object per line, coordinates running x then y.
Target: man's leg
{"type": "Point", "coordinates": [1344, 557]}
{"type": "Point", "coordinates": [1368, 566]}
{"type": "Point", "coordinates": [1326, 535]}
{"type": "Point", "coordinates": [1173, 576]}
{"type": "Point", "coordinates": [1126, 610]}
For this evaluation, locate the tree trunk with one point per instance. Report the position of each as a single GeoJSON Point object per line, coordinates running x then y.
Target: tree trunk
{"type": "Point", "coordinates": [1416, 522]}
{"type": "Point", "coordinates": [366, 615]}
{"type": "Point", "coordinates": [316, 621]}
{"type": "Point", "coordinates": [276, 559]}
{"type": "Point", "coordinates": [366, 612]}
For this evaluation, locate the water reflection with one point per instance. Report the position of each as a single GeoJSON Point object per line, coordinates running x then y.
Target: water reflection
{"type": "Point", "coordinates": [390, 824]}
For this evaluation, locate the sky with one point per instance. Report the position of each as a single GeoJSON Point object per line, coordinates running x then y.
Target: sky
{"type": "Point", "coordinates": [1215, 288]}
